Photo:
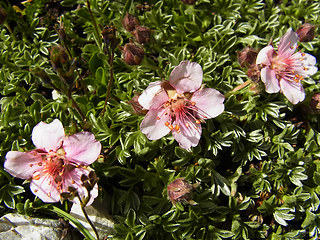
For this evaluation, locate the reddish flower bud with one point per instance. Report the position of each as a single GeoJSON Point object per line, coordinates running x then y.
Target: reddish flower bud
{"type": "Point", "coordinates": [109, 35]}
{"type": "Point", "coordinates": [132, 54]}
{"type": "Point", "coordinates": [142, 34]}
{"type": "Point", "coordinates": [315, 103]}
{"type": "Point", "coordinates": [137, 108]}
{"type": "Point", "coordinates": [189, 2]}
{"type": "Point", "coordinates": [305, 32]}
{"type": "Point", "coordinates": [247, 56]}
{"type": "Point", "coordinates": [180, 190]}
{"type": "Point", "coordinates": [130, 22]}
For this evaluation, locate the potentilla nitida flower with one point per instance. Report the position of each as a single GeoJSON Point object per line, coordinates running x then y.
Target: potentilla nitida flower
{"type": "Point", "coordinates": [179, 105]}
{"type": "Point", "coordinates": [284, 70]}
{"type": "Point", "coordinates": [57, 163]}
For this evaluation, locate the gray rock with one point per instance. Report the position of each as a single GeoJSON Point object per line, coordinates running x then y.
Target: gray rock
{"type": "Point", "coordinates": [14, 226]}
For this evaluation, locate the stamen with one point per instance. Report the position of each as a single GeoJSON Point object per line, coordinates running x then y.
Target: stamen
{"type": "Point", "coordinates": [167, 124]}
{"type": "Point", "coordinates": [35, 154]}
{"type": "Point", "coordinates": [49, 183]}
{"type": "Point", "coordinates": [73, 182]}
{"type": "Point", "coordinates": [30, 165]}
{"type": "Point", "coordinates": [177, 127]}
{"type": "Point", "coordinates": [170, 127]}
{"type": "Point", "coordinates": [303, 54]}
{"type": "Point", "coordinates": [60, 174]}
{"type": "Point", "coordinates": [49, 194]}
{"type": "Point", "coordinates": [158, 118]}
{"type": "Point", "coordinates": [39, 164]}
{"type": "Point", "coordinates": [36, 190]}
{"type": "Point", "coordinates": [301, 59]}
{"type": "Point", "coordinates": [197, 121]}
{"type": "Point", "coordinates": [193, 103]}
{"type": "Point", "coordinates": [305, 68]}
{"type": "Point", "coordinates": [187, 125]}
{"type": "Point", "coordinates": [37, 177]}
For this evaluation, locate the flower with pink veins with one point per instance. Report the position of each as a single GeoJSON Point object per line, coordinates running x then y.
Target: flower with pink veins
{"type": "Point", "coordinates": [284, 70]}
{"type": "Point", "coordinates": [58, 162]}
{"type": "Point", "coordinates": [179, 105]}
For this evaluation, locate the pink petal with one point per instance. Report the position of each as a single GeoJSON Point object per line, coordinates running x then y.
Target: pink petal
{"type": "Point", "coordinates": [189, 136]}
{"type": "Point", "coordinates": [268, 77]}
{"type": "Point", "coordinates": [307, 62]}
{"type": "Point", "coordinates": [292, 90]}
{"type": "Point", "coordinates": [209, 101]}
{"type": "Point", "coordinates": [73, 179]}
{"type": "Point", "coordinates": [145, 99]}
{"type": "Point", "coordinates": [159, 100]}
{"type": "Point", "coordinates": [154, 124]}
{"type": "Point", "coordinates": [288, 43]}
{"type": "Point", "coordinates": [82, 148]}
{"type": "Point", "coordinates": [22, 164]}
{"type": "Point", "coordinates": [186, 77]}
{"type": "Point", "coordinates": [265, 55]}
{"type": "Point", "coordinates": [48, 136]}
{"type": "Point", "coordinates": [45, 188]}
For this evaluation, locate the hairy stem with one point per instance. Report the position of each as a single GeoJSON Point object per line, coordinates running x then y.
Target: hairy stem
{"type": "Point", "coordinates": [109, 84]}
{"type": "Point", "coordinates": [95, 25]}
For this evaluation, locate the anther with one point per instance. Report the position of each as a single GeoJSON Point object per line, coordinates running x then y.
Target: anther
{"type": "Point", "coordinates": [37, 177]}
{"type": "Point", "coordinates": [39, 164]}
{"type": "Point", "coordinates": [73, 182]}
{"type": "Point", "coordinates": [167, 124]}
{"type": "Point", "coordinates": [35, 154]}
{"type": "Point", "coordinates": [303, 54]}
{"type": "Point", "coordinates": [170, 127]}
{"type": "Point", "coordinates": [193, 103]}
{"type": "Point", "coordinates": [49, 194]}
{"type": "Point", "coordinates": [301, 59]}
{"type": "Point", "coordinates": [177, 127]}
{"type": "Point", "coordinates": [60, 174]}
{"type": "Point", "coordinates": [30, 165]}
{"type": "Point", "coordinates": [36, 190]}
{"type": "Point", "coordinates": [197, 121]}
{"type": "Point", "coordinates": [158, 118]}
{"type": "Point", "coordinates": [187, 125]}
{"type": "Point", "coordinates": [291, 47]}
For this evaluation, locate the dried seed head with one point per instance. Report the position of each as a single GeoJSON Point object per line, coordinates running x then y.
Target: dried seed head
{"type": "Point", "coordinates": [3, 15]}
{"type": "Point", "coordinates": [315, 103]}
{"type": "Point", "coordinates": [137, 108]}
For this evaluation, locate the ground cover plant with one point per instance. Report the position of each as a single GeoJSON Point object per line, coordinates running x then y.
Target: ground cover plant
{"type": "Point", "coordinates": [188, 119]}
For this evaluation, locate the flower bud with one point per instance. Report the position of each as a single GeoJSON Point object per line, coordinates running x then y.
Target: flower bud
{"type": "Point", "coordinates": [137, 108]}
{"type": "Point", "coordinates": [142, 34]}
{"type": "Point", "coordinates": [3, 15]}
{"type": "Point", "coordinates": [189, 2]}
{"type": "Point", "coordinates": [58, 56]}
{"type": "Point", "coordinates": [132, 54]}
{"type": "Point", "coordinates": [130, 22]}
{"type": "Point", "coordinates": [42, 75]}
{"type": "Point", "coordinates": [247, 56]}
{"type": "Point", "coordinates": [305, 32]}
{"type": "Point", "coordinates": [179, 190]}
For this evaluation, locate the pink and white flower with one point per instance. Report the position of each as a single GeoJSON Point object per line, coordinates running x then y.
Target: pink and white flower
{"type": "Point", "coordinates": [284, 70]}
{"type": "Point", "coordinates": [57, 162]}
{"type": "Point", "coordinates": [179, 105]}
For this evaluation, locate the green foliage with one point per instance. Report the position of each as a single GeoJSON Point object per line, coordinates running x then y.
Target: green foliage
{"type": "Point", "coordinates": [257, 165]}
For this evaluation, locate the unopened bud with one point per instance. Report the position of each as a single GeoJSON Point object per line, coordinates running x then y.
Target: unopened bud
{"type": "Point", "coordinates": [142, 34]}
{"type": "Point", "coordinates": [137, 108]}
{"type": "Point", "coordinates": [58, 56]}
{"type": "Point", "coordinates": [42, 75]}
{"type": "Point", "coordinates": [3, 15]}
{"type": "Point", "coordinates": [306, 32]}
{"type": "Point", "coordinates": [247, 56]}
{"type": "Point", "coordinates": [180, 190]}
{"type": "Point", "coordinates": [189, 2]}
{"type": "Point", "coordinates": [130, 22]}
{"type": "Point", "coordinates": [132, 54]}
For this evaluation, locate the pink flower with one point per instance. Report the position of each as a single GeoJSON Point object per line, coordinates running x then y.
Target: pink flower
{"type": "Point", "coordinates": [179, 105]}
{"type": "Point", "coordinates": [57, 162]}
{"type": "Point", "coordinates": [284, 71]}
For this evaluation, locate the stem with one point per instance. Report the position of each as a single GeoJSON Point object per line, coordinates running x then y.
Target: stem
{"type": "Point", "coordinates": [126, 8]}
{"type": "Point", "coordinates": [74, 104]}
{"type": "Point", "coordinates": [86, 215]}
{"type": "Point", "coordinates": [8, 176]}
{"type": "Point", "coordinates": [95, 25]}
{"type": "Point", "coordinates": [10, 31]}
{"type": "Point", "coordinates": [109, 84]}
{"type": "Point", "coordinates": [239, 87]}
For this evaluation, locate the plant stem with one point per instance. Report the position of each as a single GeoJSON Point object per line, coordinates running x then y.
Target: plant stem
{"type": "Point", "coordinates": [74, 104]}
{"type": "Point", "coordinates": [95, 25]}
{"type": "Point", "coordinates": [83, 204]}
{"type": "Point", "coordinates": [110, 83]}
{"type": "Point", "coordinates": [239, 87]}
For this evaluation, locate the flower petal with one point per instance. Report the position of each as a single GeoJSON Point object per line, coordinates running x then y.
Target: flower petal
{"type": "Point", "coordinates": [82, 148]}
{"type": "Point", "coordinates": [154, 124]}
{"type": "Point", "coordinates": [307, 63]}
{"type": "Point", "coordinates": [265, 55]}
{"type": "Point", "coordinates": [48, 136]}
{"type": "Point", "coordinates": [268, 77]}
{"type": "Point", "coordinates": [186, 77]}
{"type": "Point", "coordinates": [209, 101]}
{"type": "Point", "coordinates": [292, 90]}
{"type": "Point", "coordinates": [189, 134]}
{"type": "Point", "coordinates": [145, 99]}
{"type": "Point", "coordinates": [73, 178]}
{"type": "Point", "coordinates": [288, 43]}
{"type": "Point", "coordinates": [45, 188]}
{"type": "Point", "coordinates": [22, 164]}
